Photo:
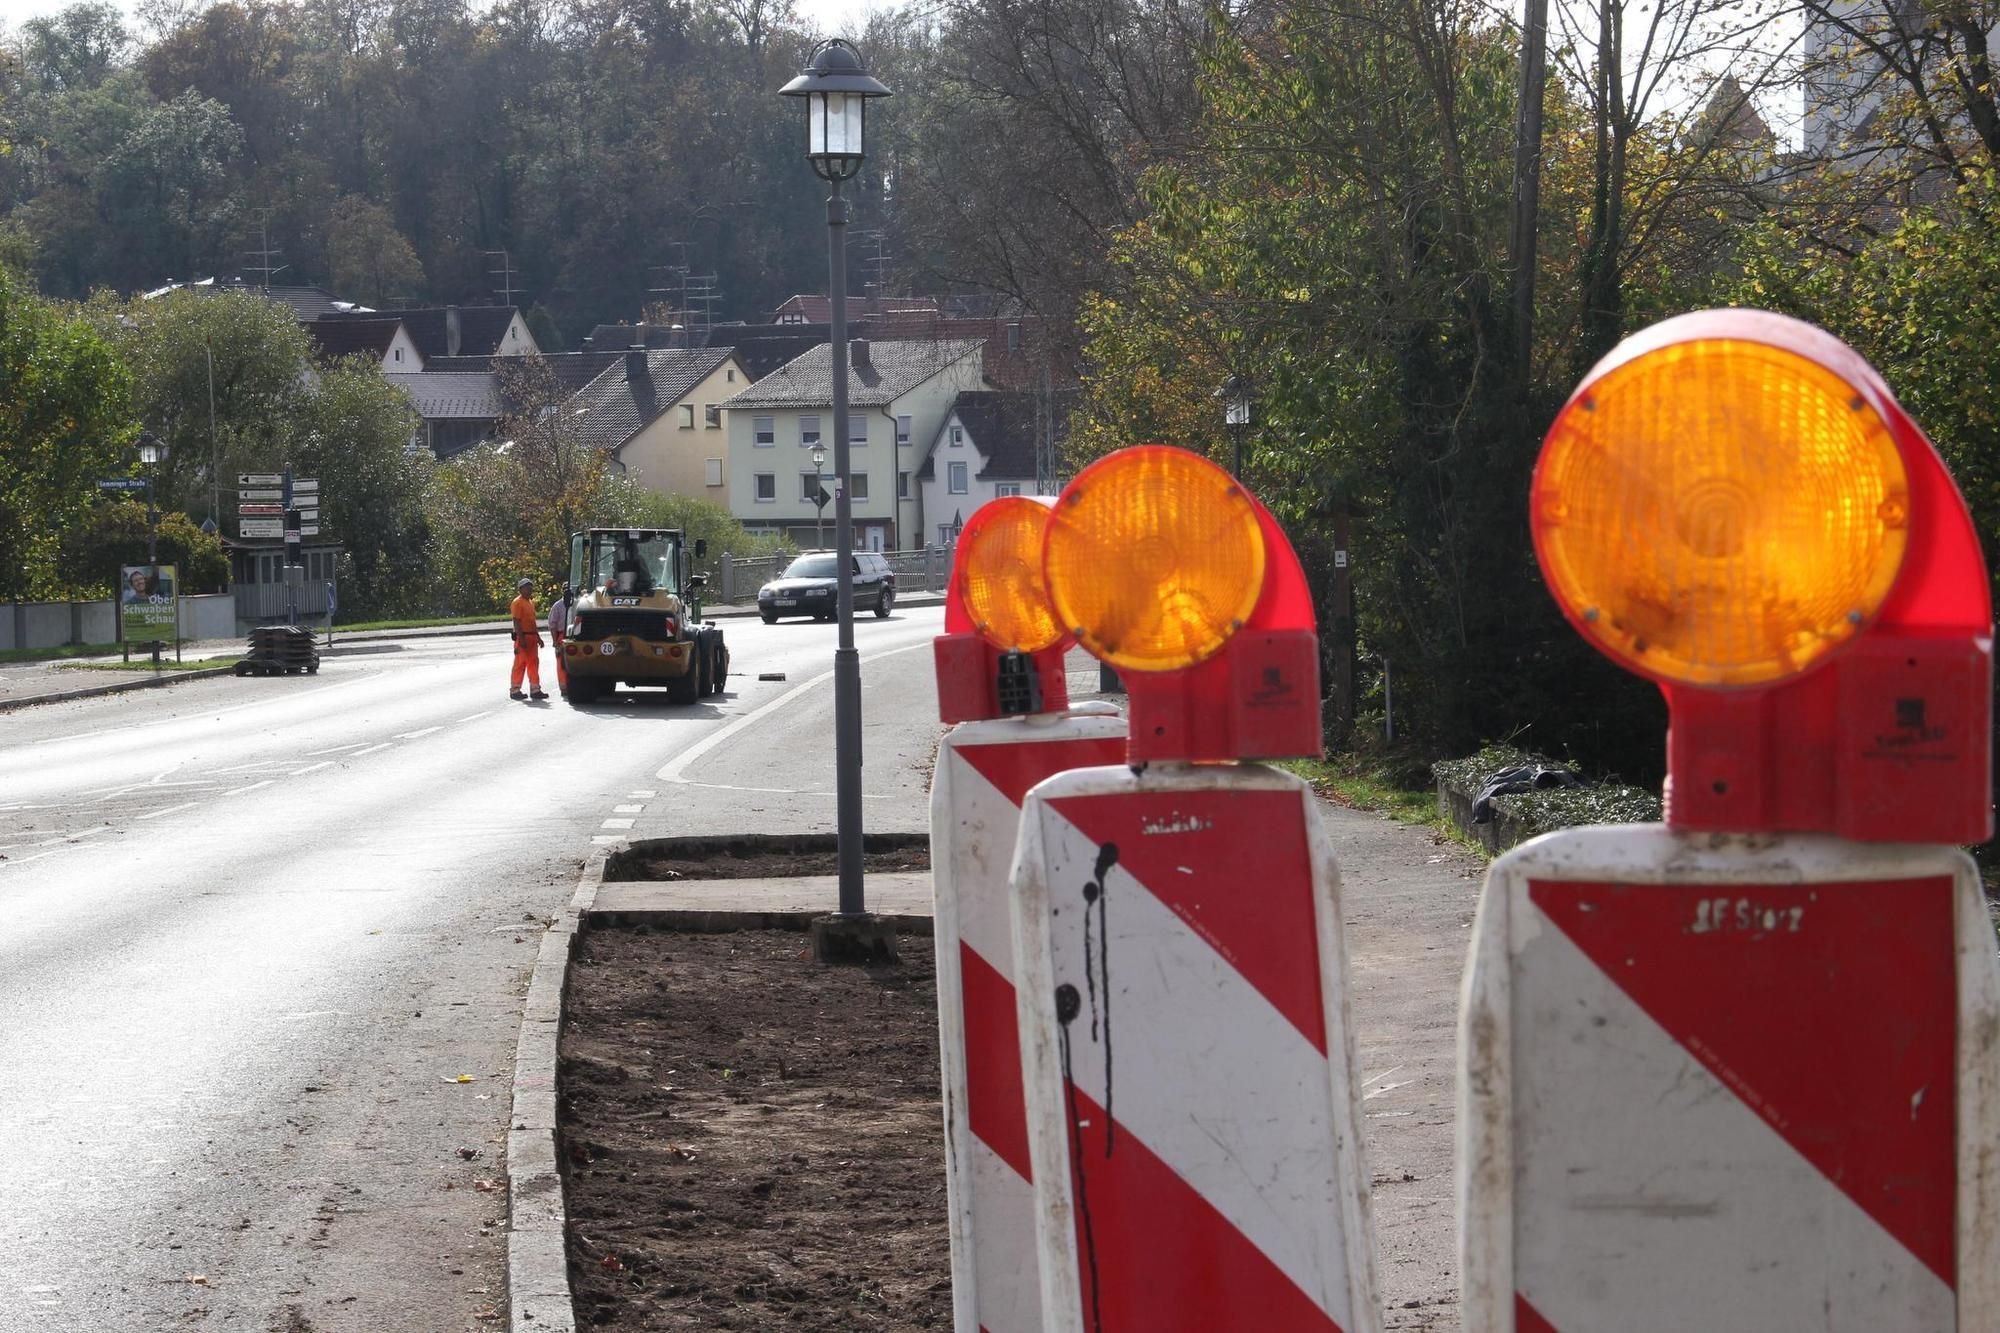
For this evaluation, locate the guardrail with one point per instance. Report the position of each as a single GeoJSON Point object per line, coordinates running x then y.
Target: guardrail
{"type": "Point", "coordinates": [738, 577]}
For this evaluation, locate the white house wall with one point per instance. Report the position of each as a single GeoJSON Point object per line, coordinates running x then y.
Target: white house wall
{"type": "Point", "coordinates": [943, 507]}
{"type": "Point", "coordinates": [679, 452]}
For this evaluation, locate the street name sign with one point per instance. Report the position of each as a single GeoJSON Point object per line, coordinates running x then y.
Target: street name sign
{"type": "Point", "coordinates": [122, 484]}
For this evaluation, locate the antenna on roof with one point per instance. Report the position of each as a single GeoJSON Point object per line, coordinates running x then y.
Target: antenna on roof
{"type": "Point", "coordinates": [505, 291]}
{"type": "Point", "coordinates": [693, 297]}
{"type": "Point", "coordinates": [264, 254]}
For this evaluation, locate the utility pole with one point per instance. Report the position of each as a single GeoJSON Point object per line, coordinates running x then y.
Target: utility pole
{"type": "Point", "coordinates": [505, 291]}
{"type": "Point", "coordinates": [1528, 179]}
{"type": "Point", "coordinates": [264, 254]}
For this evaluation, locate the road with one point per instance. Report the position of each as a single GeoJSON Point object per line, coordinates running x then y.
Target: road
{"type": "Point", "coordinates": [263, 946]}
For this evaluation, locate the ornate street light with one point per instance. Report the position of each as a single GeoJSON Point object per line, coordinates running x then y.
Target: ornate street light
{"type": "Point", "coordinates": [1235, 396]}
{"type": "Point", "coordinates": [819, 505]}
{"type": "Point", "coordinates": [152, 452]}
{"type": "Point", "coordinates": [837, 90]}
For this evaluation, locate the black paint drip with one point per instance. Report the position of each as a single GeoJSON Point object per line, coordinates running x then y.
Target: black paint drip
{"type": "Point", "coordinates": [1068, 1005]}
{"type": "Point", "coordinates": [1097, 972]}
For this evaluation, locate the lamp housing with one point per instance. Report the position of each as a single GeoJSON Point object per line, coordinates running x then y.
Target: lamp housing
{"type": "Point", "coordinates": [837, 90]}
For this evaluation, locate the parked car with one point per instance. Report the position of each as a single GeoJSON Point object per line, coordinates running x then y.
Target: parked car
{"type": "Point", "coordinates": [808, 586]}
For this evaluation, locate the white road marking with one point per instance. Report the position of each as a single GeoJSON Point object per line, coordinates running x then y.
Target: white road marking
{"type": "Point", "coordinates": [180, 719]}
{"type": "Point", "coordinates": [475, 717]}
{"type": "Point", "coordinates": [1396, 1069]}
{"type": "Point", "coordinates": [1373, 1093]}
{"type": "Point", "coordinates": [646, 795]}
{"type": "Point", "coordinates": [599, 839]}
{"type": "Point", "coordinates": [412, 735]}
{"type": "Point", "coordinates": [155, 814]}
{"type": "Point", "coordinates": [252, 787]}
{"type": "Point", "coordinates": [616, 823]}
{"type": "Point", "coordinates": [71, 837]}
{"type": "Point", "coordinates": [311, 768]}
{"type": "Point", "coordinates": [628, 809]}
{"type": "Point", "coordinates": [675, 767]}
{"type": "Point", "coordinates": [26, 859]}
{"type": "Point", "coordinates": [331, 749]}
{"type": "Point", "coordinates": [371, 749]}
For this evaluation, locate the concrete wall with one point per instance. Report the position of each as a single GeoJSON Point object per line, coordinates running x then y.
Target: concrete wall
{"type": "Point", "coordinates": [57, 624]}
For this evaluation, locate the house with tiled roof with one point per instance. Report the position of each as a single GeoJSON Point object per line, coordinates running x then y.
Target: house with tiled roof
{"type": "Point", "coordinates": [572, 370]}
{"type": "Point", "coordinates": [899, 393]}
{"type": "Point", "coordinates": [385, 341]}
{"type": "Point", "coordinates": [458, 409]}
{"type": "Point", "coordinates": [987, 446]}
{"type": "Point", "coordinates": [473, 330]}
{"type": "Point", "coordinates": [657, 413]}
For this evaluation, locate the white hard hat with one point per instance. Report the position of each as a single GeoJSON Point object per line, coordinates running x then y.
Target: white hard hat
{"type": "Point", "coordinates": [527, 583]}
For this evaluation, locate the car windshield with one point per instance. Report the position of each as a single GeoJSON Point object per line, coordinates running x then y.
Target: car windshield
{"type": "Point", "coordinates": [813, 567]}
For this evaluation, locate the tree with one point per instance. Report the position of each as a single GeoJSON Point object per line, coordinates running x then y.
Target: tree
{"type": "Point", "coordinates": [75, 49]}
{"type": "Point", "coordinates": [353, 434]}
{"type": "Point", "coordinates": [65, 421]}
{"type": "Point", "coordinates": [367, 258]}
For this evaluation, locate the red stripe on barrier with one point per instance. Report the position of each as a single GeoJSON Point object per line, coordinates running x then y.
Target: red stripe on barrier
{"type": "Point", "coordinates": [994, 1102]}
{"type": "Point", "coordinates": [1527, 1319]}
{"type": "Point", "coordinates": [1829, 1009]}
{"type": "Point", "coordinates": [1235, 866]}
{"type": "Point", "coordinates": [1016, 766]}
{"type": "Point", "coordinates": [1156, 1257]}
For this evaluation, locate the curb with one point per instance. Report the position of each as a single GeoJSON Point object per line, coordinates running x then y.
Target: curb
{"type": "Point", "coordinates": [538, 1295]}
{"type": "Point", "coordinates": [118, 687]}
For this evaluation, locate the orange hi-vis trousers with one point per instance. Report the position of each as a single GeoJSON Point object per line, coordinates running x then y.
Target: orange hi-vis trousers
{"type": "Point", "coordinates": [527, 660]}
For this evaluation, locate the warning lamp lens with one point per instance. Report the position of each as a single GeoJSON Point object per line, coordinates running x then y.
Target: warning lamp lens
{"type": "Point", "coordinates": [1155, 557]}
{"type": "Point", "coordinates": [1000, 575]}
{"type": "Point", "coordinates": [1720, 512]}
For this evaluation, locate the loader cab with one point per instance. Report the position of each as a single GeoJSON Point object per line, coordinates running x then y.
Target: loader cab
{"type": "Point", "coordinates": [639, 563]}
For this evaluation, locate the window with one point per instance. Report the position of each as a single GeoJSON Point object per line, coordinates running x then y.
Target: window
{"type": "Point", "coordinates": [902, 430]}
{"type": "Point", "coordinates": [399, 354]}
{"type": "Point", "coordinates": [687, 416]}
{"type": "Point", "coordinates": [808, 486]}
{"type": "Point", "coordinates": [1006, 488]}
{"type": "Point", "coordinates": [732, 375]}
{"type": "Point", "coordinates": [712, 411]}
{"type": "Point", "coordinates": [713, 468]}
{"type": "Point", "coordinates": [767, 487]}
{"type": "Point", "coordinates": [955, 473]}
{"type": "Point", "coordinates": [947, 534]}
{"type": "Point", "coordinates": [1013, 337]}
{"type": "Point", "coordinates": [764, 431]}
{"type": "Point", "coordinates": [958, 435]}
{"type": "Point", "coordinates": [857, 486]}
{"type": "Point", "coordinates": [902, 485]}
{"type": "Point", "coordinates": [808, 432]}
{"type": "Point", "coordinates": [857, 428]}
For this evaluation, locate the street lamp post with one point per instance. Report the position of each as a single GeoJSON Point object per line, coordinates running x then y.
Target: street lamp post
{"type": "Point", "coordinates": [837, 90]}
{"type": "Point", "coordinates": [819, 505]}
{"type": "Point", "coordinates": [152, 452]}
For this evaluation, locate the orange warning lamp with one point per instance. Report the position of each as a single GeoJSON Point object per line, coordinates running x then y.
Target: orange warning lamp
{"type": "Point", "coordinates": [1733, 505]}
{"type": "Point", "coordinates": [1160, 563]}
{"type": "Point", "coordinates": [1001, 654]}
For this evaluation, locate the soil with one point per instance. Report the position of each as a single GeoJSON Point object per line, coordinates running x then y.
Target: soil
{"type": "Point", "coordinates": [766, 856]}
{"type": "Point", "coordinates": [750, 1140]}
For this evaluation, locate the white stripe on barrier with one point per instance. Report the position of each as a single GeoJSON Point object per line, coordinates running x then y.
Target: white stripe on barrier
{"type": "Point", "coordinates": [1196, 1151]}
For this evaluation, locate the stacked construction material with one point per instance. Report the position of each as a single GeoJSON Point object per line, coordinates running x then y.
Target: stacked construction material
{"type": "Point", "coordinates": [279, 650]}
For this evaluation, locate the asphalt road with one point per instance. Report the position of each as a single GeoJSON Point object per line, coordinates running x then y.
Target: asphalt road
{"type": "Point", "coordinates": [263, 942]}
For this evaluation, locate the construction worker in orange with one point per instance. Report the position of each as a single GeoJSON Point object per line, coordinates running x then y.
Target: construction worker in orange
{"type": "Point", "coordinates": [527, 643]}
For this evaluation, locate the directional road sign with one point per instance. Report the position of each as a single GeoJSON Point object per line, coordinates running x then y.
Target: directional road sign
{"type": "Point", "coordinates": [272, 493]}
{"type": "Point", "coordinates": [274, 509]}
{"type": "Point", "coordinates": [260, 479]}
{"type": "Point", "coordinates": [305, 486]}
{"type": "Point", "coordinates": [122, 484]}
{"type": "Point", "coordinates": [262, 527]}
{"type": "Point", "coordinates": [309, 530]}
{"type": "Point", "coordinates": [309, 515]}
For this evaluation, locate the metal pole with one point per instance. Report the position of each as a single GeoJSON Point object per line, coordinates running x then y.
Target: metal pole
{"type": "Point", "coordinates": [214, 453]}
{"type": "Point", "coordinates": [846, 663]}
{"type": "Point", "coordinates": [819, 509]}
{"type": "Point", "coordinates": [1236, 466]}
{"type": "Point", "coordinates": [1388, 701]}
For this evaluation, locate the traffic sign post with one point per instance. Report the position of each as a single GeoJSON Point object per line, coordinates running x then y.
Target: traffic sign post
{"type": "Point", "coordinates": [985, 767]}
{"type": "Point", "coordinates": [1742, 1070]}
{"type": "Point", "coordinates": [1193, 1120]}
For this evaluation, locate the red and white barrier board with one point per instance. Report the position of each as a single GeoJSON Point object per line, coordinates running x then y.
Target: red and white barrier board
{"type": "Point", "coordinates": [1192, 1111]}
{"type": "Point", "coordinates": [984, 770]}
{"type": "Point", "coordinates": [1730, 1083]}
